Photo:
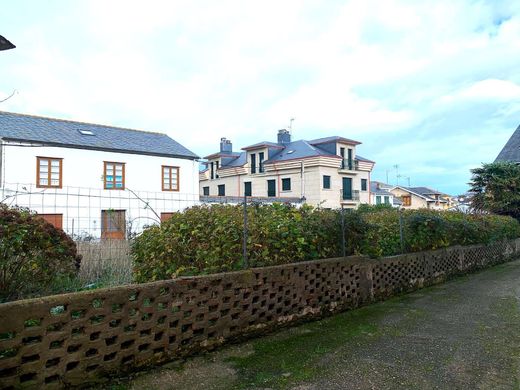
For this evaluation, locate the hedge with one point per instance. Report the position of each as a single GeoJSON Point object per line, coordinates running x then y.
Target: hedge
{"type": "Point", "coordinates": [33, 254]}
{"type": "Point", "coordinates": [208, 239]}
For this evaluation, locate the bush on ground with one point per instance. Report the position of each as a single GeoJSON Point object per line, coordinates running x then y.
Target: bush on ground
{"type": "Point", "coordinates": [208, 239]}
{"type": "Point", "coordinates": [34, 255]}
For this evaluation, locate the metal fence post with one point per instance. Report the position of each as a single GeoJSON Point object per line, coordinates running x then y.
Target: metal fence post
{"type": "Point", "coordinates": [244, 242]}
{"type": "Point", "coordinates": [343, 248]}
{"type": "Point", "coordinates": [401, 236]}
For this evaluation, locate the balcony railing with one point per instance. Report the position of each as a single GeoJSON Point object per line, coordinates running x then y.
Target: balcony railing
{"type": "Point", "coordinates": [349, 196]}
{"type": "Point", "coordinates": [351, 165]}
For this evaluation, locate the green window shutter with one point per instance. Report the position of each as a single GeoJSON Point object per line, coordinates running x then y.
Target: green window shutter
{"type": "Point", "coordinates": [271, 188]}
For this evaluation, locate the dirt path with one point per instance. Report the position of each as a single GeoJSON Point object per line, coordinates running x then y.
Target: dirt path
{"type": "Point", "coordinates": [464, 334]}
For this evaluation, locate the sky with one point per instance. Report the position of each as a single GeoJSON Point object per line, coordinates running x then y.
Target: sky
{"type": "Point", "coordinates": [430, 86]}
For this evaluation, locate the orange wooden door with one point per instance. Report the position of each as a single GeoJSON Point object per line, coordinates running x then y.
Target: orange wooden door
{"type": "Point", "coordinates": [113, 224]}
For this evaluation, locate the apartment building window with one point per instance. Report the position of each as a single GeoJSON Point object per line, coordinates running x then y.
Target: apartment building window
{"type": "Point", "coordinates": [205, 191]}
{"type": "Point", "coordinates": [326, 182]}
{"type": "Point", "coordinates": [261, 162]}
{"type": "Point", "coordinates": [407, 200]}
{"type": "Point", "coordinates": [222, 190]}
{"type": "Point", "coordinates": [114, 175]}
{"type": "Point", "coordinates": [49, 172]}
{"type": "Point", "coordinates": [271, 188]}
{"type": "Point", "coordinates": [170, 178]}
{"type": "Point", "coordinates": [253, 163]}
{"type": "Point", "coordinates": [387, 200]}
{"type": "Point", "coordinates": [363, 184]}
{"type": "Point", "coordinates": [378, 199]}
{"type": "Point", "coordinates": [286, 184]}
{"type": "Point", "coordinates": [247, 189]}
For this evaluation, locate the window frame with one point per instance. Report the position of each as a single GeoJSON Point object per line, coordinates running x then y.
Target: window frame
{"type": "Point", "coordinates": [408, 201]}
{"type": "Point", "coordinates": [49, 162]}
{"type": "Point", "coordinates": [271, 181]}
{"type": "Point", "coordinates": [246, 185]}
{"type": "Point", "coordinates": [364, 184]}
{"type": "Point", "coordinates": [170, 167]}
{"type": "Point", "coordinates": [386, 199]}
{"type": "Point", "coordinates": [113, 175]}
{"type": "Point", "coordinates": [253, 163]}
{"type": "Point", "coordinates": [204, 192]}
{"type": "Point", "coordinates": [223, 187]}
{"type": "Point", "coordinates": [323, 182]}
{"type": "Point", "coordinates": [379, 200]}
{"type": "Point", "coordinates": [284, 181]}
{"type": "Point", "coordinates": [55, 220]}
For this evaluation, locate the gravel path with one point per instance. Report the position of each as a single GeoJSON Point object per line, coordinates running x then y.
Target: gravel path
{"type": "Point", "coordinates": [464, 334]}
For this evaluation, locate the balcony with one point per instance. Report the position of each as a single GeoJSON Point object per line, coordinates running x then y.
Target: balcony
{"type": "Point", "coordinates": [349, 197]}
{"type": "Point", "coordinates": [349, 165]}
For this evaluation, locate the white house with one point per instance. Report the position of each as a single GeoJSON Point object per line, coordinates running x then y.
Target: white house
{"type": "Point", "coordinates": [94, 180]}
{"type": "Point", "coordinates": [380, 194]}
{"type": "Point", "coordinates": [327, 172]}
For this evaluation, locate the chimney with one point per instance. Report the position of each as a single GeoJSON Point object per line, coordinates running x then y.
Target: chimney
{"type": "Point", "coordinates": [225, 145]}
{"type": "Point", "coordinates": [284, 137]}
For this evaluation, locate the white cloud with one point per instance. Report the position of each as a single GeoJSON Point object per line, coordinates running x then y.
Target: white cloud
{"type": "Point", "coordinates": [200, 70]}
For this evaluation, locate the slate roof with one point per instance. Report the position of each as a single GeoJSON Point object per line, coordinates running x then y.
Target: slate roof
{"type": "Point", "coordinates": [263, 144]}
{"type": "Point", "coordinates": [291, 151]}
{"type": "Point", "coordinates": [378, 191]}
{"type": "Point", "coordinates": [297, 150]}
{"type": "Point", "coordinates": [425, 192]}
{"type": "Point", "coordinates": [333, 138]}
{"type": "Point", "coordinates": [66, 133]}
{"type": "Point", "coordinates": [511, 150]}
{"type": "Point", "coordinates": [237, 162]}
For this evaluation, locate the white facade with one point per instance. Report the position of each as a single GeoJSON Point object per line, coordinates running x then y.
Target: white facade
{"type": "Point", "coordinates": [82, 197]}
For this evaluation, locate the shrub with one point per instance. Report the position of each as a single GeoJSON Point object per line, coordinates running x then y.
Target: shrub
{"type": "Point", "coordinates": [207, 239]}
{"type": "Point", "coordinates": [33, 254]}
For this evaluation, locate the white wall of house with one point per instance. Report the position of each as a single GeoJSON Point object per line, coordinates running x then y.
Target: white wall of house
{"type": "Point", "coordinates": [83, 195]}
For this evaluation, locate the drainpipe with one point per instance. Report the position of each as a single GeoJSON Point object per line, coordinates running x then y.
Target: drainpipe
{"type": "Point", "coordinates": [302, 179]}
{"type": "Point", "coordinates": [1, 163]}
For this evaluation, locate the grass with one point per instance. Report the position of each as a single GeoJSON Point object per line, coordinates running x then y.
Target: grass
{"type": "Point", "coordinates": [296, 355]}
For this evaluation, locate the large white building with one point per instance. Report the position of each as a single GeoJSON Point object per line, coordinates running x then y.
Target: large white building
{"type": "Point", "coordinates": [93, 180]}
{"type": "Point", "coordinates": [327, 172]}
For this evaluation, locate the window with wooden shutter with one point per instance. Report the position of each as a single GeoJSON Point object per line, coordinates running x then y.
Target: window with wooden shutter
{"type": "Point", "coordinates": [114, 175]}
{"type": "Point", "coordinates": [49, 172]}
{"type": "Point", "coordinates": [170, 178]}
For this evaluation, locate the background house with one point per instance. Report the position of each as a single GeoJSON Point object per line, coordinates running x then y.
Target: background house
{"type": "Point", "coordinates": [93, 181]}
{"type": "Point", "coordinates": [380, 194]}
{"type": "Point", "coordinates": [326, 171]}
{"type": "Point", "coordinates": [421, 197]}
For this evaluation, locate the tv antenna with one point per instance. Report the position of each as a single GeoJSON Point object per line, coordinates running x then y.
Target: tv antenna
{"type": "Point", "coordinates": [290, 125]}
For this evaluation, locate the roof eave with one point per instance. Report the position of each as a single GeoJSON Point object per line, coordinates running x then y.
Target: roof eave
{"type": "Point", "coordinates": [112, 150]}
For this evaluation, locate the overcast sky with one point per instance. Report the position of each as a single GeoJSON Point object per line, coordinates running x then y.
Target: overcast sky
{"type": "Point", "coordinates": [433, 86]}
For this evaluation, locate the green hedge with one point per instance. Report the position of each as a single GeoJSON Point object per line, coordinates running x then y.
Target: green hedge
{"type": "Point", "coordinates": [34, 254]}
{"type": "Point", "coordinates": [208, 239]}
